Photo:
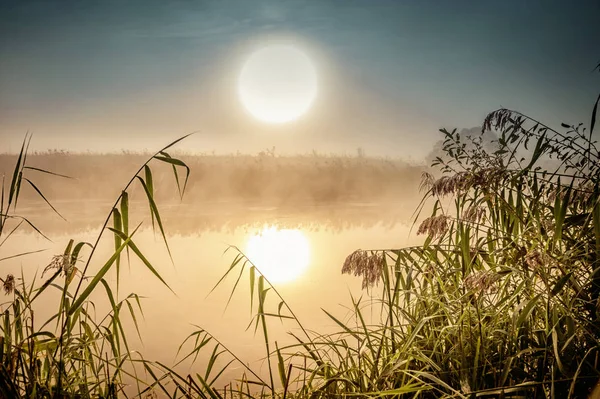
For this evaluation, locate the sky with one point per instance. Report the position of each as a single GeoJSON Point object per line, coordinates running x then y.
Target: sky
{"type": "Point", "coordinates": [134, 75]}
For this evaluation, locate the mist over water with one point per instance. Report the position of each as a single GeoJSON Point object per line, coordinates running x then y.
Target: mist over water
{"type": "Point", "coordinates": [337, 204]}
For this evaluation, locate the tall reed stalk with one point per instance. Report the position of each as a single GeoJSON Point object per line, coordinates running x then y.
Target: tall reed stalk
{"type": "Point", "coordinates": [75, 353]}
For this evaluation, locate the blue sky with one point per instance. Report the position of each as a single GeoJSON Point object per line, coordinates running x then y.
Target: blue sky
{"type": "Point", "coordinates": [111, 75]}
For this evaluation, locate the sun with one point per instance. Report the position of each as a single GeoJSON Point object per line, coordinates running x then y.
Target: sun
{"type": "Point", "coordinates": [280, 255]}
{"type": "Point", "coordinates": [277, 84]}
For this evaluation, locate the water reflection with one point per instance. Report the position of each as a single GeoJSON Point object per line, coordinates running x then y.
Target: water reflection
{"type": "Point", "coordinates": [192, 219]}
{"type": "Point", "coordinates": [280, 255]}
{"type": "Point", "coordinates": [318, 237]}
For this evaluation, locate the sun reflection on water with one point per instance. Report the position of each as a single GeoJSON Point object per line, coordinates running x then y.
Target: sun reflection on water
{"type": "Point", "coordinates": [280, 255]}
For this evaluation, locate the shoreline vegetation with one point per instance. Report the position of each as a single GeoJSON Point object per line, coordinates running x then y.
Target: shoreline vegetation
{"type": "Point", "coordinates": [267, 179]}
{"type": "Point", "coordinates": [501, 301]}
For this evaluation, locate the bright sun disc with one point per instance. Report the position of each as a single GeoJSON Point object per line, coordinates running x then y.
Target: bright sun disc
{"type": "Point", "coordinates": [277, 84]}
{"type": "Point", "coordinates": [281, 255]}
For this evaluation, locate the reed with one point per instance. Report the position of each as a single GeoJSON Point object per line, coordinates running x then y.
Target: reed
{"type": "Point", "coordinates": [501, 300]}
{"type": "Point", "coordinates": [76, 352]}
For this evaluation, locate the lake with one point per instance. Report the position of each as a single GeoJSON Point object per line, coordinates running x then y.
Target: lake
{"type": "Point", "coordinates": [197, 236]}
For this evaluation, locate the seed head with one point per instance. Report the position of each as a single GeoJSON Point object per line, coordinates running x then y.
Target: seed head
{"type": "Point", "coordinates": [539, 259]}
{"type": "Point", "coordinates": [474, 214]}
{"type": "Point", "coordinates": [360, 263]}
{"type": "Point", "coordinates": [434, 226]}
{"type": "Point", "coordinates": [59, 262]}
{"type": "Point", "coordinates": [481, 282]}
{"type": "Point", "coordinates": [8, 284]}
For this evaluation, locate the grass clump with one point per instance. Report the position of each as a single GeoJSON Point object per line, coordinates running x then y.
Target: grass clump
{"type": "Point", "coordinates": [501, 300]}
{"type": "Point", "coordinates": [76, 352]}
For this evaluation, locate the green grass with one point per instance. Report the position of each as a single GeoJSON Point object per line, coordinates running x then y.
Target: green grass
{"type": "Point", "coordinates": [76, 352]}
{"type": "Point", "coordinates": [502, 300]}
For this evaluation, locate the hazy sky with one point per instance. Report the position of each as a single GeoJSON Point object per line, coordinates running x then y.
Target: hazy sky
{"type": "Point", "coordinates": [107, 75]}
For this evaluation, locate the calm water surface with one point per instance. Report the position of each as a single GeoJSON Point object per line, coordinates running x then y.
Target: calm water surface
{"type": "Point", "coordinates": [198, 237]}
